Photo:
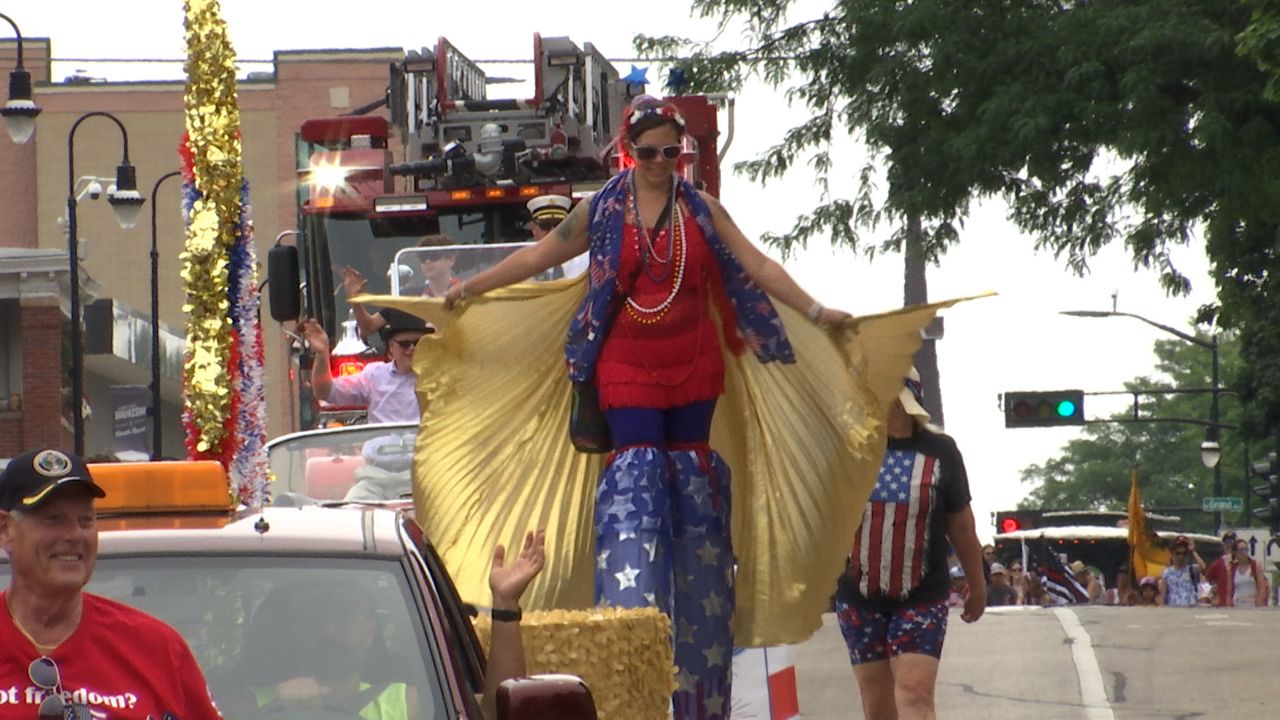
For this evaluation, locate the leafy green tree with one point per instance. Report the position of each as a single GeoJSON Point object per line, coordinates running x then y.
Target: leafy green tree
{"type": "Point", "coordinates": [1093, 472]}
{"type": "Point", "coordinates": [1137, 122]}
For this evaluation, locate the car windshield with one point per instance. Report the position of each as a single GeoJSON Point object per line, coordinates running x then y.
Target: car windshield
{"type": "Point", "coordinates": [361, 463]}
{"type": "Point", "coordinates": [254, 622]}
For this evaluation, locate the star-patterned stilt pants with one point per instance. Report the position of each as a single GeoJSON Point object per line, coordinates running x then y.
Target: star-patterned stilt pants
{"type": "Point", "coordinates": [704, 566]}
{"type": "Point", "coordinates": [633, 530]}
{"type": "Point", "coordinates": [664, 517]}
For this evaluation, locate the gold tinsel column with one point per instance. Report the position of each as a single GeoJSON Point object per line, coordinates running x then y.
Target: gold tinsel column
{"type": "Point", "coordinates": [223, 370]}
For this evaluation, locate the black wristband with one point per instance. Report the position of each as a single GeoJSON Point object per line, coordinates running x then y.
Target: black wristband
{"type": "Point", "coordinates": [506, 615]}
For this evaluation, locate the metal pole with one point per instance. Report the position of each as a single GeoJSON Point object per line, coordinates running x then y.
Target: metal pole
{"type": "Point", "coordinates": [77, 375]}
{"type": "Point", "coordinates": [1213, 418]}
{"type": "Point", "coordinates": [73, 260]}
{"type": "Point", "coordinates": [155, 323]}
{"type": "Point", "coordinates": [16, 32]}
{"type": "Point", "coordinates": [1248, 487]}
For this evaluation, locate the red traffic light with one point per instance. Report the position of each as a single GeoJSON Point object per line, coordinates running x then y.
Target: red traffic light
{"type": "Point", "coordinates": [1010, 524]}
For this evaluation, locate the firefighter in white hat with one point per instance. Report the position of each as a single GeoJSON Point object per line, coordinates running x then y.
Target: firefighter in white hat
{"type": "Point", "coordinates": [547, 211]}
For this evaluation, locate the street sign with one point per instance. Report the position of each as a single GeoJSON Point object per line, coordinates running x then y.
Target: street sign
{"type": "Point", "coordinates": [1220, 504]}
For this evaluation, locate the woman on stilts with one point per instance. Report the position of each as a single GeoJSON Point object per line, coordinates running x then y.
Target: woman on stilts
{"type": "Point", "coordinates": [663, 257]}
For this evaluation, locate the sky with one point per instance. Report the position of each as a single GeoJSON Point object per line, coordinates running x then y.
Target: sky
{"type": "Point", "coordinates": [1014, 341]}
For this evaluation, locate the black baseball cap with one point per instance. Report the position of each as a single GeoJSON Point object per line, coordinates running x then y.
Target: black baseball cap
{"type": "Point", "coordinates": [30, 479]}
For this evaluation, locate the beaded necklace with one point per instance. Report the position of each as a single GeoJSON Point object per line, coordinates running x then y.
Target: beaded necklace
{"type": "Point", "coordinates": [649, 241]}
{"type": "Point", "coordinates": [678, 251]}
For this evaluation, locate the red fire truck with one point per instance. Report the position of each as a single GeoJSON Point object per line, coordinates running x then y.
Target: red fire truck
{"type": "Point", "coordinates": [463, 165]}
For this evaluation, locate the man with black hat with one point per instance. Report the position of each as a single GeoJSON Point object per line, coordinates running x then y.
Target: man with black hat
{"type": "Point", "coordinates": [65, 652]}
{"type": "Point", "coordinates": [385, 388]}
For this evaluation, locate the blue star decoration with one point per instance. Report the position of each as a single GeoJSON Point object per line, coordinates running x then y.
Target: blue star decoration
{"type": "Point", "coordinates": [677, 81]}
{"type": "Point", "coordinates": [637, 78]}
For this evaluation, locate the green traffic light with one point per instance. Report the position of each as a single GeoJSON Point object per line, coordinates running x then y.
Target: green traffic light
{"type": "Point", "coordinates": [1066, 408]}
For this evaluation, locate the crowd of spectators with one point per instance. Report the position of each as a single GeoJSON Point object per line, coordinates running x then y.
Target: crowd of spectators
{"type": "Point", "coordinates": [1233, 580]}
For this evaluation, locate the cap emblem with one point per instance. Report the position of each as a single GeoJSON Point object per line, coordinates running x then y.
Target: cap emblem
{"type": "Point", "coordinates": [51, 463]}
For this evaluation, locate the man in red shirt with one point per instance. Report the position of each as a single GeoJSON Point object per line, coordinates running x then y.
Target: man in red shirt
{"type": "Point", "coordinates": [65, 652]}
{"type": "Point", "coordinates": [1217, 571]}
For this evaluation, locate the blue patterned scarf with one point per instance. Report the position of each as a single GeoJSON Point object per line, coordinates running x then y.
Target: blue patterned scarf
{"type": "Point", "coordinates": [758, 325]}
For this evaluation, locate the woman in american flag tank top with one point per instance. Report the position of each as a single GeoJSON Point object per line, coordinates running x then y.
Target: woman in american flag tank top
{"type": "Point", "coordinates": [892, 601]}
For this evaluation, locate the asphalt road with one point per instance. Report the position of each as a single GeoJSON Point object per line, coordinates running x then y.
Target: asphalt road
{"type": "Point", "coordinates": [1089, 663]}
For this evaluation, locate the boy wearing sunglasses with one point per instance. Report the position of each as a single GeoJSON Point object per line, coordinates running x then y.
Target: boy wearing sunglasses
{"type": "Point", "coordinates": [64, 652]}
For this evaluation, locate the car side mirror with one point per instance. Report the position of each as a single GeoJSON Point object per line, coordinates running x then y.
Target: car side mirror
{"type": "Point", "coordinates": [564, 697]}
{"type": "Point", "coordinates": [284, 284]}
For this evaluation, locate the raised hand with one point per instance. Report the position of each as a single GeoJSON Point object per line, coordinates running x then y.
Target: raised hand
{"type": "Point", "coordinates": [508, 582]}
{"type": "Point", "coordinates": [353, 283]}
{"type": "Point", "coordinates": [315, 336]}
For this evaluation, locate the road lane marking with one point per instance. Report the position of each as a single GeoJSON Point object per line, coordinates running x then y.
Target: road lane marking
{"type": "Point", "coordinates": [1093, 695]}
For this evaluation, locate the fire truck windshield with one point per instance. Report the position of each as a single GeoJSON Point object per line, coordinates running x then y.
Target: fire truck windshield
{"type": "Point", "coordinates": [376, 247]}
{"type": "Point", "coordinates": [369, 245]}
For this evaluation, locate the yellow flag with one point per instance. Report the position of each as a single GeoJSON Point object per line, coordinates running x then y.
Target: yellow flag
{"type": "Point", "coordinates": [1147, 557]}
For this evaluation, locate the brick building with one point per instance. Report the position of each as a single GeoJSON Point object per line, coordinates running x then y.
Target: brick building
{"type": "Point", "coordinates": [114, 263]}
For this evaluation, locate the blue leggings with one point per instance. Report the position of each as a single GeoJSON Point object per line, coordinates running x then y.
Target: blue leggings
{"type": "Point", "coordinates": [684, 425]}
{"type": "Point", "coordinates": [662, 522]}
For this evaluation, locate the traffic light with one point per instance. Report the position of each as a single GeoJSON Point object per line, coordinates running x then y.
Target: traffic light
{"type": "Point", "coordinates": [1008, 521]}
{"type": "Point", "coordinates": [1043, 408]}
{"type": "Point", "coordinates": [1269, 492]}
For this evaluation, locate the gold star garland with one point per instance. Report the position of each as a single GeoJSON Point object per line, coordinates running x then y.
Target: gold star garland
{"type": "Point", "coordinates": [213, 128]}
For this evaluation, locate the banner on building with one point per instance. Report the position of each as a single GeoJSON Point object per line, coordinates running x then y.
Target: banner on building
{"type": "Point", "coordinates": [129, 405]}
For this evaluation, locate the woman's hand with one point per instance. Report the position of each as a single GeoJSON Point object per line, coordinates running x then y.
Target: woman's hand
{"type": "Point", "coordinates": [830, 317]}
{"type": "Point", "coordinates": [454, 295]}
{"type": "Point", "coordinates": [975, 603]}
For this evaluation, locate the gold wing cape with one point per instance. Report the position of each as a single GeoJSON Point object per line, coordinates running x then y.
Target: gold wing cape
{"type": "Point", "coordinates": [804, 443]}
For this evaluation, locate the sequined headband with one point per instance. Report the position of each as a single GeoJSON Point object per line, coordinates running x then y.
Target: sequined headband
{"type": "Point", "coordinates": [665, 111]}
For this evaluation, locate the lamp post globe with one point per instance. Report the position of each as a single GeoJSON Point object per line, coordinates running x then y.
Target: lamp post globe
{"type": "Point", "coordinates": [20, 111]}
{"type": "Point", "coordinates": [1210, 453]}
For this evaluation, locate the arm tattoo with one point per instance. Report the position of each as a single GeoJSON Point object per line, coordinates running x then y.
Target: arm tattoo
{"type": "Point", "coordinates": [565, 230]}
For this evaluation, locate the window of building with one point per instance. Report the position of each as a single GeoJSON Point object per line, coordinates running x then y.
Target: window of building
{"type": "Point", "coordinates": [10, 350]}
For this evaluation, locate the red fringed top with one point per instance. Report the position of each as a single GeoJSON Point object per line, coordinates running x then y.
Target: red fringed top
{"type": "Point", "coordinates": [663, 358]}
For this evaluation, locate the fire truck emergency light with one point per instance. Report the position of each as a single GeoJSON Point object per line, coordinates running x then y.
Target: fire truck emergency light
{"type": "Point", "coordinates": [326, 175]}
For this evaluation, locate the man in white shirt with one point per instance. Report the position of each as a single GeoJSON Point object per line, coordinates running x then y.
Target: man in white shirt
{"type": "Point", "coordinates": [387, 389]}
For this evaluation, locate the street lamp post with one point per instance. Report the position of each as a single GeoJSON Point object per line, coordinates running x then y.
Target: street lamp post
{"type": "Point", "coordinates": [126, 202]}
{"type": "Point", "coordinates": [1210, 451]}
{"type": "Point", "coordinates": [20, 111]}
{"type": "Point", "coordinates": [155, 322]}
